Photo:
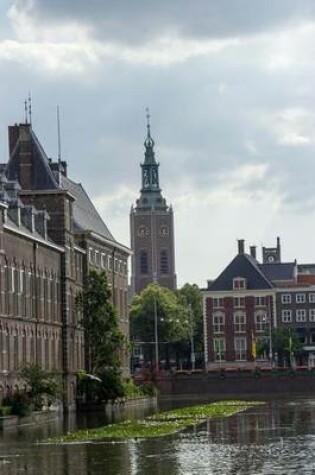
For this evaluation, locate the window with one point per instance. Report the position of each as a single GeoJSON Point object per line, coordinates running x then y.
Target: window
{"type": "Point", "coordinates": [311, 298]}
{"type": "Point", "coordinates": [219, 349]}
{"type": "Point", "coordinates": [239, 283]}
{"type": "Point", "coordinates": [240, 349]}
{"type": "Point", "coordinates": [260, 322]}
{"type": "Point", "coordinates": [286, 298]}
{"type": "Point", "coordinates": [97, 258]}
{"type": "Point", "coordinates": [312, 315]}
{"type": "Point", "coordinates": [286, 316]}
{"type": "Point", "coordinates": [218, 303]}
{"type": "Point", "coordinates": [103, 261]}
{"type": "Point", "coordinates": [239, 323]}
{"type": "Point", "coordinates": [91, 256]}
{"type": "Point", "coordinates": [143, 262]}
{"type": "Point", "coordinates": [218, 323]}
{"type": "Point", "coordinates": [164, 262]}
{"type": "Point", "coordinates": [300, 298]}
{"type": "Point", "coordinates": [239, 302]}
{"type": "Point", "coordinates": [260, 301]}
{"type": "Point", "coordinates": [300, 315]}
{"type": "Point", "coordinates": [312, 338]}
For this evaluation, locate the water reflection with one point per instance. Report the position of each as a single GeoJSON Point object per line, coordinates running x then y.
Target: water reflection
{"type": "Point", "coordinates": [278, 439]}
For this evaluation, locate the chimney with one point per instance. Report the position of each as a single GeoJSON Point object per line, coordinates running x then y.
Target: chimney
{"type": "Point", "coordinates": [253, 251]}
{"type": "Point", "coordinates": [241, 244]}
{"type": "Point", "coordinates": [13, 137]}
{"type": "Point", "coordinates": [278, 249]}
{"type": "Point", "coordinates": [22, 134]}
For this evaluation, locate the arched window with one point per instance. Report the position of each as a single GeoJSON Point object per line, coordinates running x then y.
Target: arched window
{"type": "Point", "coordinates": [164, 267]}
{"type": "Point", "coordinates": [143, 262]}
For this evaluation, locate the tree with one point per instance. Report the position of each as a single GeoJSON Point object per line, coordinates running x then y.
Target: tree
{"type": "Point", "coordinates": [285, 343]}
{"type": "Point", "coordinates": [100, 322]}
{"type": "Point", "coordinates": [43, 384]}
{"type": "Point", "coordinates": [172, 321]}
{"type": "Point", "coordinates": [190, 297]}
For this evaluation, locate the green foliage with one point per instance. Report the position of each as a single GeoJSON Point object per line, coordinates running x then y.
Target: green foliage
{"type": "Point", "coordinates": [100, 322]}
{"type": "Point", "coordinates": [131, 390]}
{"type": "Point", "coordinates": [190, 297]}
{"type": "Point", "coordinates": [285, 342]}
{"type": "Point", "coordinates": [44, 387]}
{"type": "Point", "coordinates": [172, 320]}
{"type": "Point", "coordinates": [21, 405]}
{"type": "Point", "coordinates": [5, 411]}
{"type": "Point", "coordinates": [162, 424]}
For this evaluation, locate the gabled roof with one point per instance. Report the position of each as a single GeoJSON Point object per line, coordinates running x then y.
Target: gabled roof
{"type": "Point", "coordinates": [42, 176]}
{"type": "Point", "coordinates": [279, 271]}
{"type": "Point", "coordinates": [86, 217]}
{"type": "Point", "coordinates": [243, 265]}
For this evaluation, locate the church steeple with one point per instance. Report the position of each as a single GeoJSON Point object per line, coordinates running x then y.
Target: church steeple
{"type": "Point", "coordinates": [151, 196]}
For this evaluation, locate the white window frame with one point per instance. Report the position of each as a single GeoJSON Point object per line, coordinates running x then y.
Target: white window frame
{"type": "Point", "coordinates": [311, 298]}
{"type": "Point", "coordinates": [218, 321]}
{"type": "Point", "coordinates": [286, 298]}
{"type": "Point", "coordinates": [240, 349]}
{"type": "Point", "coordinates": [218, 302]}
{"type": "Point", "coordinates": [239, 323]}
{"type": "Point", "coordinates": [260, 322]}
{"type": "Point", "coordinates": [286, 316]}
{"type": "Point", "coordinates": [239, 302]}
{"type": "Point", "coordinates": [300, 315]}
{"type": "Point", "coordinates": [300, 298]}
{"type": "Point", "coordinates": [239, 283]}
{"type": "Point", "coordinates": [260, 301]}
{"type": "Point", "coordinates": [219, 349]}
{"type": "Point", "coordinates": [311, 314]}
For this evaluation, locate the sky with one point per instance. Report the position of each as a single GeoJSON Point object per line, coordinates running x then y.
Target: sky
{"type": "Point", "coordinates": [230, 85]}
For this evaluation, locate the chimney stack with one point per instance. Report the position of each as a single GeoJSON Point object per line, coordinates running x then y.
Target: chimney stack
{"type": "Point", "coordinates": [253, 251]}
{"type": "Point", "coordinates": [241, 246]}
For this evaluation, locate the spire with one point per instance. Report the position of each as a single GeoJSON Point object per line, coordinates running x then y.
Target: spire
{"type": "Point", "coordinates": [149, 142]}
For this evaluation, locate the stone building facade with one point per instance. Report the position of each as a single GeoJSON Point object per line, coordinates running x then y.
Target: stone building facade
{"type": "Point", "coordinates": [152, 229]}
{"type": "Point", "coordinates": [49, 231]}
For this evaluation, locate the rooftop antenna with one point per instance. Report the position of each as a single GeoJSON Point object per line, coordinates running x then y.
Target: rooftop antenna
{"type": "Point", "coordinates": [58, 132]}
{"type": "Point", "coordinates": [30, 107]}
{"type": "Point", "coordinates": [25, 110]}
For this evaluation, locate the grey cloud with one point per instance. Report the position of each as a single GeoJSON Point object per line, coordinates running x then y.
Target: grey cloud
{"type": "Point", "coordinates": [136, 21]}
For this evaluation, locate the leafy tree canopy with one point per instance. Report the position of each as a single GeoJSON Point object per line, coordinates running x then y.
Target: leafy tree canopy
{"type": "Point", "coordinates": [100, 322]}
{"type": "Point", "coordinates": [172, 315]}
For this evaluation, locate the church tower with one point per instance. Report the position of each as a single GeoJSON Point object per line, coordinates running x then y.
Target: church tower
{"type": "Point", "coordinates": [152, 228]}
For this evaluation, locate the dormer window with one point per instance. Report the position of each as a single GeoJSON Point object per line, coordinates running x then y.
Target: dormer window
{"type": "Point", "coordinates": [239, 283]}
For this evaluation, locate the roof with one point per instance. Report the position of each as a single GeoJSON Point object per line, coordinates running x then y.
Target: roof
{"type": "Point", "coordinates": [279, 270]}
{"type": "Point", "coordinates": [243, 265]}
{"type": "Point", "coordinates": [42, 176]}
{"type": "Point", "coordinates": [86, 217]}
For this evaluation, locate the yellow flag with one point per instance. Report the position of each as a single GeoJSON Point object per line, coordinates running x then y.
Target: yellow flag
{"type": "Point", "coordinates": [254, 349]}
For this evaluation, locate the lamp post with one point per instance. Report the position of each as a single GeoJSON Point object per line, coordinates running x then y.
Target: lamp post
{"type": "Point", "coordinates": [192, 342]}
{"type": "Point", "coordinates": [267, 319]}
{"type": "Point", "coordinates": [156, 336]}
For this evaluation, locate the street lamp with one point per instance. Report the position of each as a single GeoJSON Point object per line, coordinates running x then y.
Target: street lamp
{"type": "Point", "coordinates": [267, 319]}
{"type": "Point", "coordinates": [192, 343]}
{"type": "Point", "coordinates": [156, 336]}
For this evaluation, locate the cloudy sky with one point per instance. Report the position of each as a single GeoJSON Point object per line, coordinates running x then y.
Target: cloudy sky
{"type": "Point", "coordinates": [231, 89]}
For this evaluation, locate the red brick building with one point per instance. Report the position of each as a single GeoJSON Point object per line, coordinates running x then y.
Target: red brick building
{"type": "Point", "coordinates": [249, 298]}
{"type": "Point", "coordinates": [50, 236]}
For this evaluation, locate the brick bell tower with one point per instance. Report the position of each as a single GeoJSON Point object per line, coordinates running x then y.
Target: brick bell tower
{"type": "Point", "coordinates": [151, 228]}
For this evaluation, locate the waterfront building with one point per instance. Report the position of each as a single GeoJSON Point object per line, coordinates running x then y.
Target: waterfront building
{"type": "Point", "coordinates": [248, 299]}
{"type": "Point", "coordinates": [50, 236]}
{"type": "Point", "coordinates": [152, 229]}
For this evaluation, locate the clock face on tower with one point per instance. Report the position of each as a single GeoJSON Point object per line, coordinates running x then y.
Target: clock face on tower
{"type": "Point", "coordinates": [164, 230]}
{"type": "Point", "coordinates": [271, 258]}
{"type": "Point", "coordinates": [143, 231]}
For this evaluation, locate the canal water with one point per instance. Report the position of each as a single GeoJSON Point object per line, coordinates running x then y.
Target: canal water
{"type": "Point", "coordinates": [278, 438]}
